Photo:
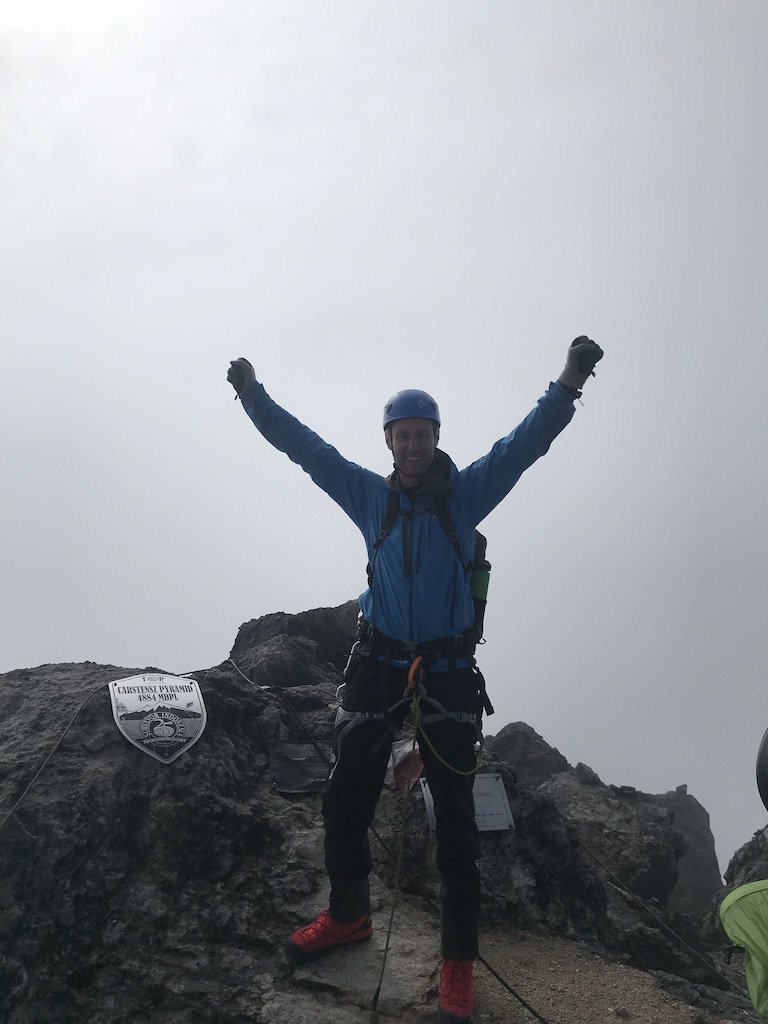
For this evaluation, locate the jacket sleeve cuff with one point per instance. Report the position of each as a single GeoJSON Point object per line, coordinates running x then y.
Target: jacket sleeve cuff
{"type": "Point", "coordinates": [564, 391]}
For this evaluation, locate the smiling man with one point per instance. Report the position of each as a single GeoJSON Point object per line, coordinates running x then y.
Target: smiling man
{"type": "Point", "coordinates": [412, 441]}
{"type": "Point", "coordinates": [417, 620]}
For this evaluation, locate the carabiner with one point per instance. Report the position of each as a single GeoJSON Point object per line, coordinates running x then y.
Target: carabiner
{"type": "Point", "coordinates": [415, 672]}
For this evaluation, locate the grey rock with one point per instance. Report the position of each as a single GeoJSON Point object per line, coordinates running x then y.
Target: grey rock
{"type": "Point", "coordinates": [750, 862]}
{"type": "Point", "coordinates": [660, 846]}
{"type": "Point", "coordinates": [531, 757]}
{"type": "Point", "coordinates": [698, 878]}
{"type": "Point", "coordinates": [135, 891]}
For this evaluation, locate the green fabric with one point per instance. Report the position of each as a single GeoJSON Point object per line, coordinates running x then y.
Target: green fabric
{"type": "Point", "coordinates": [744, 915]}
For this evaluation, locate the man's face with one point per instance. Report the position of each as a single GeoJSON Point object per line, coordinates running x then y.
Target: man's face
{"type": "Point", "coordinates": [412, 443]}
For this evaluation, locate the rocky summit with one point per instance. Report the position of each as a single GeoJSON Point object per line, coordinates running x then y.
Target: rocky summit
{"type": "Point", "coordinates": [138, 891]}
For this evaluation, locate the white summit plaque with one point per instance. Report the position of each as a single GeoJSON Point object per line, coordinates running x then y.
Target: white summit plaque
{"type": "Point", "coordinates": [161, 715]}
{"type": "Point", "coordinates": [492, 811]}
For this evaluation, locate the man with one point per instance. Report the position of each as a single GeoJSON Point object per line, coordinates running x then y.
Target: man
{"type": "Point", "coordinates": [417, 613]}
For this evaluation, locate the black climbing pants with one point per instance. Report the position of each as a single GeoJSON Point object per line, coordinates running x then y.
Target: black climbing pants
{"type": "Point", "coordinates": [364, 742]}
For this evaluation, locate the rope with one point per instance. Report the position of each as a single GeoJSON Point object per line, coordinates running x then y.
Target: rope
{"type": "Point", "coordinates": [644, 906]}
{"type": "Point", "coordinates": [415, 676]}
{"type": "Point", "coordinates": [505, 984]}
{"type": "Point", "coordinates": [443, 762]}
{"type": "Point", "coordinates": [393, 857]}
{"type": "Point", "coordinates": [396, 858]}
{"type": "Point", "coordinates": [56, 746]}
{"type": "Point", "coordinates": [321, 753]}
{"type": "Point", "coordinates": [272, 689]}
{"type": "Point", "coordinates": [286, 702]}
{"type": "Point", "coordinates": [415, 669]}
{"type": "Point", "coordinates": [415, 708]}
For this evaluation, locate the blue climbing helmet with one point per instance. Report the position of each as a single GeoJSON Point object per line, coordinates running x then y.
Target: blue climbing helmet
{"type": "Point", "coordinates": [411, 404]}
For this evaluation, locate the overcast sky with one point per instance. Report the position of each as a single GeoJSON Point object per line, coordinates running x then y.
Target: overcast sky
{"type": "Point", "coordinates": [367, 196]}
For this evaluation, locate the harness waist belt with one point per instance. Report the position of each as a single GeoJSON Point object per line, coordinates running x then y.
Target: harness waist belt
{"type": "Point", "coordinates": [447, 645]}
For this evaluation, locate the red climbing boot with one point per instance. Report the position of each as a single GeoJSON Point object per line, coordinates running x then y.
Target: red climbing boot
{"type": "Point", "coordinates": [457, 992]}
{"type": "Point", "coordinates": [324, 934]}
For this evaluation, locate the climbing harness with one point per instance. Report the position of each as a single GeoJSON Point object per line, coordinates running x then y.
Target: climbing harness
{"type": "Point", "coordinates": [415, 692]}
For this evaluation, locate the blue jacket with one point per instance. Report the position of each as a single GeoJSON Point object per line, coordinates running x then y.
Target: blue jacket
{"type": "Point", "coordinates": [420, 589]}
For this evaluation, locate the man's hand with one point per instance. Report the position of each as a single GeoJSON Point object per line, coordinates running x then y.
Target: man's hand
{"type": "Point", "coordinates": [240, 375]}
{"type": "Point", "coordinates": [580, 364]}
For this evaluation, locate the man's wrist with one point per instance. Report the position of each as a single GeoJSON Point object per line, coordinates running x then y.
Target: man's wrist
{"type": "Point", "coordinates": [569, 388]}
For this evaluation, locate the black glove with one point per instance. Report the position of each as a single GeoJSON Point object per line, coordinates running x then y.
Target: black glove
{"type": "Point", "coordinates": [580, 364]}
{"type": "Point", "coordinates": [240, 375]}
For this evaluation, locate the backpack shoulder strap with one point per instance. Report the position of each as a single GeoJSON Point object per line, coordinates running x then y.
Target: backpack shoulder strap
{"type": "Point", "coordinates": [390, 517]}
{"type": "Point", "coordinates": [444, 518]}
{"type": "Point", "coordinates": [440, 509]}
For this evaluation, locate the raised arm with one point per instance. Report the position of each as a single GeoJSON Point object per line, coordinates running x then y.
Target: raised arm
{"type": "Point", "coordinates": [350, 485]}
{"type": "Point", "coordinates": [487, 481]}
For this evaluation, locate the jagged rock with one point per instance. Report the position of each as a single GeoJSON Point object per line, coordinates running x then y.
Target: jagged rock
{"type": "Point", "coordinates": [332, 630]}
{"type": "Point", "coordinates": [660, 846]}
{"type": "Point", "coordinates": [533, 759]}
{"type": "Point", "coordinates": [630, 833]}
{"type": "Point", "coordinates": [698, 877]}
{"type": "Point", "coordinates": [129, 888]}
{"type": "Point", "coordinates": [750, 862]}
{"type": "Point", "coordinates": [137, 891]}
{"type": "Point", "coordinates": [587, 775]}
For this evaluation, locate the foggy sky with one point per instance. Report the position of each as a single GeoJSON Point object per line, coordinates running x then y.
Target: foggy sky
{"type": "Point", "coordinates": [365, 197]}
